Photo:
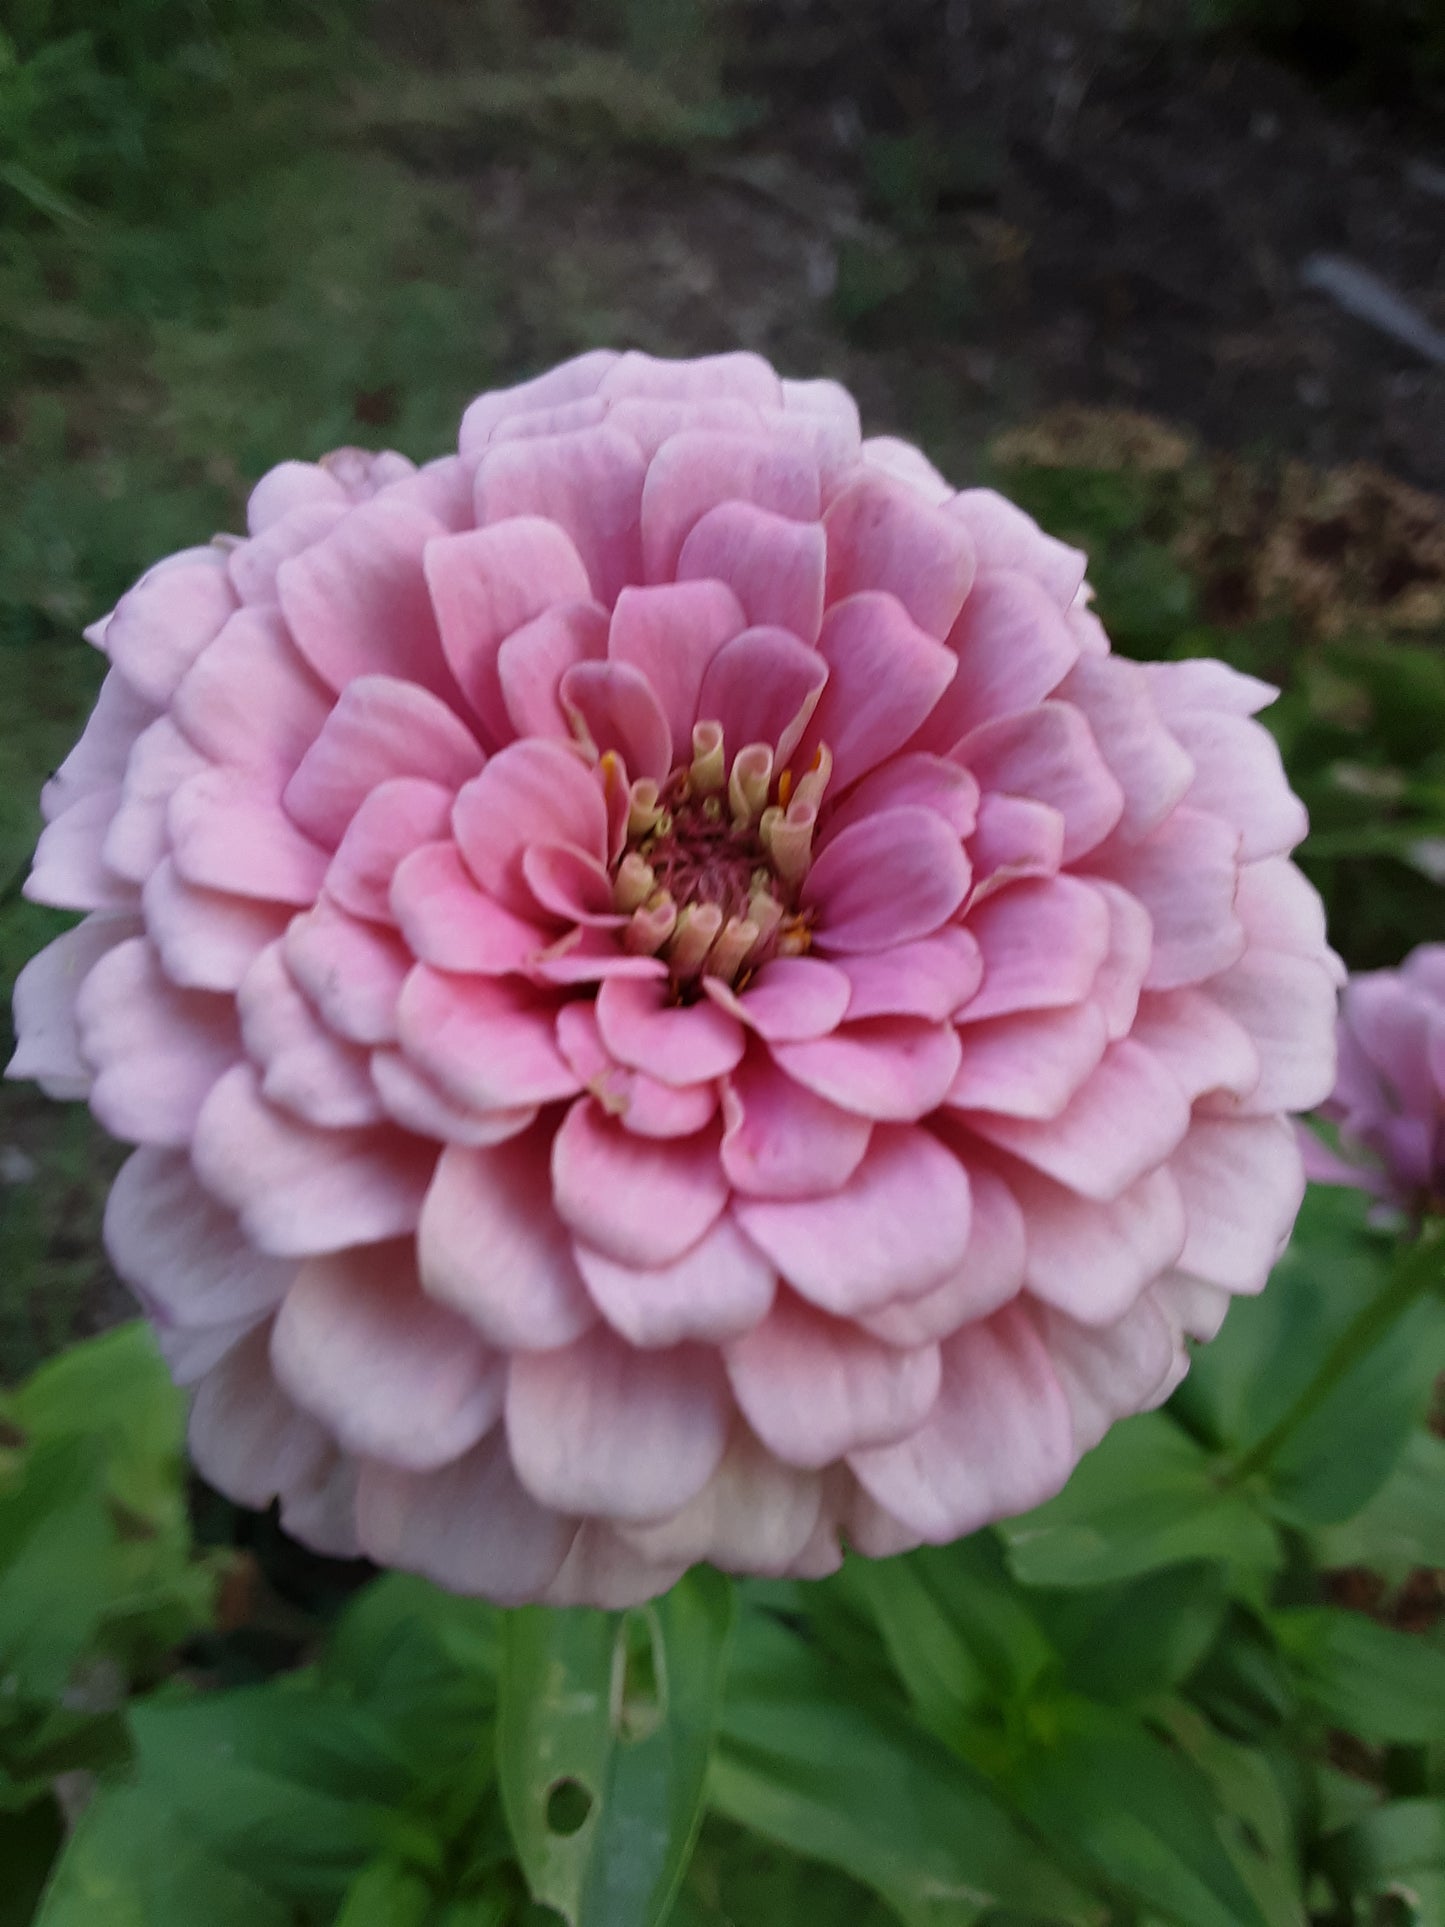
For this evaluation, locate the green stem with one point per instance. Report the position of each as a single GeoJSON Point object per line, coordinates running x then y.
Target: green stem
{"type": "Point", "coordinates": [1420, 1269]}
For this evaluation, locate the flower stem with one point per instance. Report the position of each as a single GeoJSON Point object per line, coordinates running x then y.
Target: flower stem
{"type": "Point", "coordinates": [1419, 1269]}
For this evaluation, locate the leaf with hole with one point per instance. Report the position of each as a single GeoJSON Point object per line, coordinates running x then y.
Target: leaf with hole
{"type": "Point", "coordinates": [604, 1731]}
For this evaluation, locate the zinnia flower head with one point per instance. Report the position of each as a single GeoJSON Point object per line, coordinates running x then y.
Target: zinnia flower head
{"type": "Point", "coordinates": [1389, 1097]}
{"type": "Point", "coordinates": [675, 1000]}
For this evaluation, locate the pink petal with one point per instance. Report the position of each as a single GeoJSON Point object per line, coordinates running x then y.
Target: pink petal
{"type": "Point", "coordinates": [603, 1430]}
{"type": "Point", "coordinates": [614, 705]}
{"type": "Point", "coordinates": [589, 483]}
{"type": "Point", "coordinates": [98, 760]}
{"type": "Point", "coordinates": [1005, 538]}
{"type": "Point", "coordinates": [929, 978]}
{"type": "Point", "coordinates": [1013, 648]}
{"type": "Point", "coordinates": [163, 623]}
{"type": "Point", "coordinates": [206, 939]}
{"type": "Point", "coordinates": [1204, 1049]}
{"type": "Point", "coordinates": [640, 1103]}
{"type": "Point", "coordinates": [1111, 1373]}
{"type": "Point", "coordinates": [1016, 838]}
{"type": "Point", "coordinates": [533, 660]}
{"type": "Point", "coordinates": [989, 1273]}
{"type": "Point", "coordinates": [814, 1387]}
{"type": "Point", "coordinates": [228, 836]}
{"type": "Point", "coordinates": [417, 1104]}
{"type": "Point", "coordinates": [253, 565]}
{"type": "Point", "coordinates": [791, 998]}
{"type": "Point", "coordinates": [380, 728]}
{"type": "Point", "coordinates": [1028, 1065]}
{"type": "Point", "coordinates": [491, 1246]}
{"type": "Point", "coordinates": [1185, 876]}
{"type": "Point", "coordinates": [304, 1068]}
{"type": "Point", "coordinates": [774, 566]}
{"type": "Point", "coordinates": [532, 792]}
{"type": "Point", "coordinates": [489, 1044]}
{"type": "Point", "coordinates": [1153, 771]}
{"type": "Point", "coordinates": [677, 1045]}
{"type": "Point", "coordinates": [1042, 944]}
{"type": "Point", "coordinates": [651, 422]}
{"type": "Point", "coordinates": [642, 1201]}
{"type": "Point", "coordinates": [568, 382]}
{"type": "Point", "coordinates": [671, 633]}
{"type": "Point", "coordinates": [571, 886]}
{"type": "Point", "coordinates": [898, 1226]}
{"type": "Point", "coordinates": [1126, 1119]}
{"type": "Point", "coordinates": [68, 870]}
{"type": "Point", "coordinates": [250, 699]}
{"type": "Point", "coordinates": [897, 876]}
{"type": "Point", "coordinates": [896, 1068]}
{"type": "Point", "coordinates": [136, 840]}
{"type": "Point", "coordinates": [390, 1374]}
{"type": "Point", "coordinates": [881, 536]}
{"type": "Point", "coordinates": [356, 602]}
{"type": "Point", "coordinates": [47, 1047]}
{"type": "Point", "coordinates": [399, 816]}
{"type": "Point", "coordinates": [1048, 754]}
{"type": "Point", "coordinates": [448, 922]}
{"type": "Point", "coordinates": [1182, 688]}
{"type": "Point", "coordinates": [1242, 1182]}
{"type": "Point", "coordinates": [754, 1515]}
{"type": "Point", "coordinates": [246, 1436]}
{"type": "Point", "coordinates": [892, 456]}
{"type": "Point", "coordinates": [721, 1287]}
{"type": "Point", "coordinates": [885, 676]}
{"type": "Point", "coordinates": [929, 781]}
{"type": "Point", "coordinates": [1092, 1260]}
{"type": "Point", "coordinates": [735, 376]}
{"type": "Point", "coordinates": [1126, 966]}
{"type": "Point", "coordinates": [298, 1190]}
{"type": "Point", "coordinates": [762, 687]}
{"type": "Point", "coordinates": [1287, 1005]}
{"type": "Point", "coordinates": [998, 1442]}
{"type": "Point", "coordinates": [1282, 910]}
{"type": "Point", "coordinates": [485, 584]}
{"type": "Point", "coordinates": [696, 470]}
{"type": "Point", "coordinates": [167, 1239]}
{"type": "Point", "coordinates": [783, 1142]}
{"type": "Point", "coordinates": [352, 971]}
{"type": "Point", "coordinates": [156, 1050]}
{"type": "Point", "coordinates": [1240, 779]}
{"type": "Point", "coordinates": [410, 1520]}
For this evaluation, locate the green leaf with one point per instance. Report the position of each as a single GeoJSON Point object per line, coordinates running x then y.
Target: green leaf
{"type": "Point", "coordinates": [806, 1762]}
{"type": "Point", "coordinates": [1125, 1643]}
{"type": "Point", "coordinates": [1399, 1848]}
{"type": "Point", "coordinates": [737, 1880]}
{"type": "Point", "coordinates": [1270, 1348]}
{"type": "Point", "coordinates": [56, 1539]}
{"type": "Point", "coordinates": [29, 1842]}
{"type": "Point", "coordinates": [1147, 1497]}
{"type": "Point", "coordinates": [387, 1894]}
{"type": "Point", "coordinates": [1383, 1685]}
{"type": "Point", "coordinates": [287, 1779]}
{"type": "Point", "coordinates": [134, 1862]}
{"type": "Point", "coordinates": [1257, 1823]}
{"type": "Point", "coordinates": [957, 1628]}
{"type": "Point", "coordinates": [1403, 1526]}
{"type": "Point", "coordinates": [604, 1732]}
{"type": "Point", "coordinates": [1140, 1812]}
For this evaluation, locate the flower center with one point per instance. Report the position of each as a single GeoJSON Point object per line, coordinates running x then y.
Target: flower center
{"type": "Point", "coordinates": [715, 860]}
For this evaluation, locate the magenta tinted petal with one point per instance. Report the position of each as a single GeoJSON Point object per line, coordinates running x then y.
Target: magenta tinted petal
{"type": "Point", "coordinates": [588, 482]}
{"type": "Point", "coordinates": [846, 1252]}
{"type": "Point", "coordinates": [775, 567]}
{"type": "Point", "coordinates": [532, 661]}
{"type": "Point", "coordinates": [642, 1201]}
{"type": "Point", "coordinates": [533, 792]}
{"type": "Point", "coordinates": [1049, 755]}
{"type": "Point", "coordinates": [676, 1044]}
{"type": "Point", "coordinates": [782, 1141]}
{"type": "Point", "coordinates": [614, 705]}
{"type": "Point", "coordinates": [885, 675]}
{"type": "Point", "coordinates": [898, 876]}
{"type": "Point", "coordinates": [896, 1068]}
{"type": "Point", "coordinates": [722, 1286]}
{"type": "Point", "coordinates": [762, 687]}
{"type": "Point", "coordinates": [489, 1042]}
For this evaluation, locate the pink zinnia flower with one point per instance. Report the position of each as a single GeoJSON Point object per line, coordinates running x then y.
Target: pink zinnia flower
{"type": "Point", "coordinates": [1389, 1097]}
{"type": "Point", "coordinates": [676, 1001]}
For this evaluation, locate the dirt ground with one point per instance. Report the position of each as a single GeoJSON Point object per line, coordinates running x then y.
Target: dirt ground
{"type": "Point", "coordinates": [1025, 204]}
